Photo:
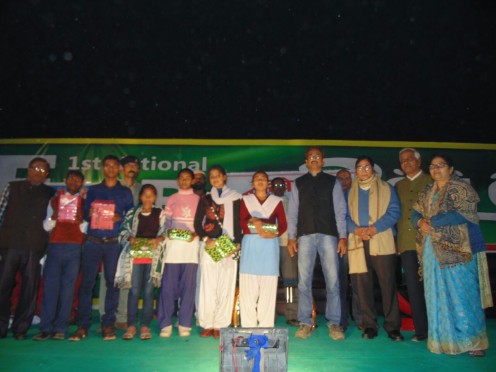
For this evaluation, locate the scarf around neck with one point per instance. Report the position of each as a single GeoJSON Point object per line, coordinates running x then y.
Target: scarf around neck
{"type": "Point", "coordinates": [383, 242]}
{"type": "Point", "coordinates": [228, 196]}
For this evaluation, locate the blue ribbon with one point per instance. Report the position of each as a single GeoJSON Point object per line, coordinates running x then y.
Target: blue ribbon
{"type": "Point", "coordinates": [256, 342]}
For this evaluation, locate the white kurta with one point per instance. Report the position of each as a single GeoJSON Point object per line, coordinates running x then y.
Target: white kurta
{"type": "Point", "coordinates": [218, 279]}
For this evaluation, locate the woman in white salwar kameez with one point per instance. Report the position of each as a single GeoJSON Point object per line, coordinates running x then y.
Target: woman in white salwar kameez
{"type": "Point", "coordinates": [259, 266]}
{"type": "Point", "coordinates": [217, 214]}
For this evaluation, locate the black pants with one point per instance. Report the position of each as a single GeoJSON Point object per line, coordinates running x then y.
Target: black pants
{"type": "Point", "coordinates": [385, 269]}
{"type": "Point", "coordinates": [28, 264]}
{"type": "Point", "coordinates": [289, 273]}
{"type": "Point", "coordinates": [343, 290]}
{"type": "Point", "coordinates": [409, 262]}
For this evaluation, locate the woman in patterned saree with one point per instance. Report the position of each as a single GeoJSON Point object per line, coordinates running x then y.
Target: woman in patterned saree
{"type": "Point", "coordinates": [452, 255]}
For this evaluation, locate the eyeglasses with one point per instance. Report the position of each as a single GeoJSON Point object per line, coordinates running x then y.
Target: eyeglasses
{"type": "Point", "coordinates": [39, 169]}
{"type": "Point", "coordinates": [314, 157]}
{"type": "Point", "coordinates": [437, 166]}
{"type": "Point", "coordinates": [278, 185]}
{"type": "Point", "coordinates": [363, 168]}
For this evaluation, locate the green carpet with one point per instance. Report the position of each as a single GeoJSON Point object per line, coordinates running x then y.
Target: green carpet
{"type": "Point", "coordinates": [318, 353]}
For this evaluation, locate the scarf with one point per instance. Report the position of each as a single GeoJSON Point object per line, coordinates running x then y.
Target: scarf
{"type": "Point", "coordinates": [451, 244]}
{"type": "Point", "coordinates": [124, 270]}
{"type": "Point", "coordinates": [383, 242]}
{"type": "Point", "coordinates": [259, 210]}
{"type": "Point", "coordinates": [228, 196]}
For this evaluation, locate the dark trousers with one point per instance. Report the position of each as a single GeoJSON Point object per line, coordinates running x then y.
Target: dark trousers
{"type": "Point", "coordinates": [385, 269]}
{"type": "Point", "coordinates": [92, 255]}
{"type": "Point", "coordinates": [178, 283]}
{"type": "Point", "coordinates": [59, 278]}
{"type": "Point", "coordinates": [289, 274]}
{"type": "Point", "coordinates": [26, 262]}
{"type": "Point", "coordinates": [355, 302]}
{"type": "Point", "coordinates": [343, 290]}
{"type": "Point", "coordinates": [409, 262]}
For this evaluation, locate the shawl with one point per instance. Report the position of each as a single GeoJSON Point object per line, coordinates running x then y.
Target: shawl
{"type": "Point", "coordinates": [451, 243]}
{"type": "Point", "coordinates": [124, 270]}
{"type": "Point", "coordinates": [383, 242]}
{"type": "Point", "coordinates": [228, 196]}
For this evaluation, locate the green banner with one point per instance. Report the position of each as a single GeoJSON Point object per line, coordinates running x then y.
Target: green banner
{"type": "Point", "coordinates": [162, 159]}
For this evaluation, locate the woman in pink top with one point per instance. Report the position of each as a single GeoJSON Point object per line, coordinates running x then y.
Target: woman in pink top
{"type": "Point", "coordinates": [181, 258]}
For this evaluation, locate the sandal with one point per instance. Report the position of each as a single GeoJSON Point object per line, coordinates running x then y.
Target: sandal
{"type": "Point", "coordinates": [477, 353]}
{"type": "Point", "coordinates": [145, 333]}
{"type": "Point", "coordinates": [130, 333]}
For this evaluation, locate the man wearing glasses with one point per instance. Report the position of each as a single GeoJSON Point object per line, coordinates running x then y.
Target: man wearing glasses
{"type": "Point", "coordinates": [23, 207]}
{"type": "Point", "coordinates": [317, 225]}
{"type": "Point", "coordinates": [373, 210]}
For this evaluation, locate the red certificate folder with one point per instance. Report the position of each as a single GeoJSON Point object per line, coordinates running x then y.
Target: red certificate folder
{"type": "Point", "coordinates": [68, 207]}
{"type": "Point", "coordinates": [103, 214]}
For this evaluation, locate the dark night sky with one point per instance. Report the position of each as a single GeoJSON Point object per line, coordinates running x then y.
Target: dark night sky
{"type": "Point", "coordinates": [322, 69]}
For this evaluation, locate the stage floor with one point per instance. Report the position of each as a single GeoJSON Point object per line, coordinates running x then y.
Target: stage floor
{"type": "Point", "coordinates": [318, 353]}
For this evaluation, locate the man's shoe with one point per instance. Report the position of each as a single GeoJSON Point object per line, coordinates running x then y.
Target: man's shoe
{"type": "Point", "coordinates": [41, 336]}
{"type": "Point", "coordinates": [216, 333]}
{"type": "Point", "coordinates": [293, 322]}
{"type": "Point", "coordinates": [20, 336]}
{"type": "Point", "coordinates": [207, 332]}
{"type": "Point", "coordinates": [369, 333]}
{"type": "Point", "coordinates": [336, 332]}
{"type": "Point", "coordinates": [166, 331]}
{"type": "Point", "coordinates": [58, 336]}
{"type": "Point", "coordinates": [304, 331]}
{"type": "Point", "coordinates": [417, 338]}
{"type": "Point", "coordinates": [395, 336]}
{"type": "Point", "coordinates": [79, 335]}
{"type": "Point", "coordinates": [108, 333]}
{"type": "Point", "coordinates": [121, 326]}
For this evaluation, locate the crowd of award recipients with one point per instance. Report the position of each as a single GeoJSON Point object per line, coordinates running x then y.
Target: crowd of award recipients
{"type": "Point", "coordinates": [203, 247]}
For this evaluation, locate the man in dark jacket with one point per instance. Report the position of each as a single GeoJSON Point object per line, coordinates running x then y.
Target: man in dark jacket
{"type": "Point", "coordinates": [23, 241]}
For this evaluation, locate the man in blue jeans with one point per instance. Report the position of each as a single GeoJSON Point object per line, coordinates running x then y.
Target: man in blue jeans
{"type": "Point", "coordinates": [102, 245]}
{"type": "Point", "coordinates": [64, 221]}
{"type": "Point", "coordinates": [317, 225]}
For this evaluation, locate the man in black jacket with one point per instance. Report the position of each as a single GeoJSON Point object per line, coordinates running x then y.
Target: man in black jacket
{"type": "Point", "coordinates": [23, 206]}
{"type": "Point", "coordinates": [317, 225]}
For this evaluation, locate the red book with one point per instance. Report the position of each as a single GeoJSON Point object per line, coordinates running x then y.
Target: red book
{"type": "Point", "coordinates": [68, 207]}
{"type": "Point", "coordinates": [103, 214]}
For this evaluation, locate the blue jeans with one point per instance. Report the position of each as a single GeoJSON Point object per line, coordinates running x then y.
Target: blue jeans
{"type": "Point", "coordinates": [92, 255]}
{"type": "Point", "coordinates": [140, 282]}
{"type": "Point", "coordinates": [308, 247]}
{"type": "Point", "coordinates": [59, 278]}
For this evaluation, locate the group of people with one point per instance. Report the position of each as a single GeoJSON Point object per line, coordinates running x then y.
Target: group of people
{"type": "Point", "coordinates": [358, 227]}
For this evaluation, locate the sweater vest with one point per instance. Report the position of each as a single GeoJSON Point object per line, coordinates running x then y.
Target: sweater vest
{"type": "Point", "coordinates": [22, 227]}
{"type": "Point", "coordinates": [316, 205]}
